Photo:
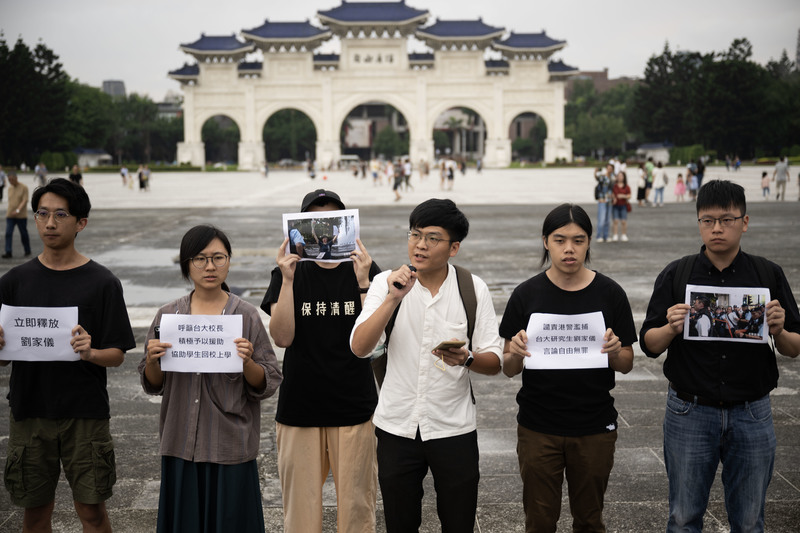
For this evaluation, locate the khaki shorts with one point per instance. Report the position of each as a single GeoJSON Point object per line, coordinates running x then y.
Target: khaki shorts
{"type": "Point", "coordinates": [38, 446]}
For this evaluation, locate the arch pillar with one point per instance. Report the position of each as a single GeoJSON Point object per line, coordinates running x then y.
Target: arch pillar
{"type": "Point", "coordinates": [193, 153]}
{"type": "Point", "coordinates": [252, 155]}
{"type": "Point", "coordinates": [557, 149]}
{"type": "Point", "coordinates": [328, 152]}
{"type": "Point", "coordinates": [498, 153]}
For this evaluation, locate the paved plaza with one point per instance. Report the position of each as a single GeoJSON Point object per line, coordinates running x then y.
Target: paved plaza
{"type": "Point", "coordinates": [137, 235]}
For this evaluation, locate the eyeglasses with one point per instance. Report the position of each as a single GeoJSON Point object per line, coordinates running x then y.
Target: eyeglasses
{"type": "Point", "coordinates": [219, 260]}
{"type": "Point", "coordinates": [42, 215]}
{"type": "Point", "coordinates": [725, 222]}
{"type": "Point", "coordinates": [431, 239]}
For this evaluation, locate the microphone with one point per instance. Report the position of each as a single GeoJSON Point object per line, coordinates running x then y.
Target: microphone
{"type": "Point", "coordinates": [400, 286]}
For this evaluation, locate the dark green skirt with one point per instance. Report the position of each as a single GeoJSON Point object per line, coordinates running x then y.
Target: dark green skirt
{"type": "Point", "coordinates": [209, 497]}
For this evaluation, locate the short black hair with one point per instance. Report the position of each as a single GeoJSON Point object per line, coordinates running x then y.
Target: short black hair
{"type": "Point", "coordinates": [721, 194]}
{"type": "Point", "coordinates": [561, 216]}
{"type": "Point", "coordinates": [442, 213]}
{"type": "Point", "coordinates": [195, 240]}
{"type": "Point", "coordinates": [78, 202]}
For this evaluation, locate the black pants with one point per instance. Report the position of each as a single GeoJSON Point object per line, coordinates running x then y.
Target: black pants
{"type": "Point", "coordinates": [403, 464]}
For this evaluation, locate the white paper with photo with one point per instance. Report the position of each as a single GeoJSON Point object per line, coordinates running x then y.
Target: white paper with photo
{"type": "Point", "coordinates": [38, 333]}
{"type": "Point", "coordinates": [744, 322]}
{"type": "Point", "coordinates": [566, 341]}
{"type": "Point", "coordinates": [327, 236]}
{"type": "Point", "coordinates": [201, 343]}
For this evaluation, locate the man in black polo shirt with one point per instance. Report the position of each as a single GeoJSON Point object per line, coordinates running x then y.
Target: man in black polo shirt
{"type": "Point", "coordinates": [718, 405]}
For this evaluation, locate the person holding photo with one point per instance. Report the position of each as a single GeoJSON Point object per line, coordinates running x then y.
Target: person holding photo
{"type": "Point", "coordinates": [567, 422]}
{"type": "Point", "coordinates": [326, 401]}
{"type": "Point", "coordinates": [210, 423]}
{"type": "Point", "coordinates": [718, 405]}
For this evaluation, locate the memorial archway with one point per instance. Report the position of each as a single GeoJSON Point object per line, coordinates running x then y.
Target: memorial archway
{"type": "Point", "coordinates": [527, 133]}
{"type": "Point", "coordinates": [460, 132]}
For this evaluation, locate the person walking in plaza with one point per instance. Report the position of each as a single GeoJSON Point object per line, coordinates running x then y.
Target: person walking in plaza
{"type": "Point", "coordinates": [566, 421]}
{"type": "Point", "coordinates": [75, 175]}
{"type": "Point", "coordinates": [328, 396]}
{"type": "Point", "coordinates": [17, 215]}
{"type": "Point", "coordinates": [641, 185]}
{"type": "Point", "coordinates": [765, 181]}
{"type": "Point", "coordinates": [620, 200]}
{"type": "Point", "coordinates": [210, 423]}
{"type": "Point", "coordinates": [718, 400]}
{"type": "Point", "coordinates": [60, 409]}
{"type": "Point", "coordinates": [40, 174]}
{"type": "Point", "coordinates": [781, 176]}
{"type": "Point", "coordinates": [660, 181]}
{"type": "Point", "coordinates": [602, 193]}
{"type": "Point", "coordinates": [426, 417]}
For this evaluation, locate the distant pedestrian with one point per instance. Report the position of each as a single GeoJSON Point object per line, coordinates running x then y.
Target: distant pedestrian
{"type": "Point", "coordinates": [680, 188]}
{"type": "Point", "coordinates": [781, 176]}
{"type": "Point", "coordinates": [40, 172]}
{"type": "Point", "coordinates": [765, 185]}
{"type": "Point", "coordinates": [660, 181]}
{"type": "Point", "coordinates": [641, 185]}
{"type": "Point", "coordinates": [124, 173]}
{"type": "Point", "coordinates": [147, 177]}
{"type": "Point", "coordinates": [140, 174]}
{"type": "Point", "coordinates": [2, 181]}
{"type": "Point", "coordinates": [700, 171]}
{"type": "Point", "coordinates": [17, 214]}
{"type": "Point", "coordinates": [407, 169]}
{"type": "Point", "coordinates": [75, 175]}
{"type": "Point", "coordinates": [621, 196]}
{"type": "Point", "coordinates": [602, 193]}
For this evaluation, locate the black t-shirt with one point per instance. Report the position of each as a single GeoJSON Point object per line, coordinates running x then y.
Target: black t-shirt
{"type": "Point", "coordinates": [568, 402]}
{"type": "Point", "coordinates": [324, 383]}
{"type": "Point", "coordinates": [67, 389]}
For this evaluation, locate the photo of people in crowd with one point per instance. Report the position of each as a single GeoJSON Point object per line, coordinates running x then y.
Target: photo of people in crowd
{"type": "Point", "coordinates": [328, 238]}
{"type": "Point", "coordinates": [737, 315]}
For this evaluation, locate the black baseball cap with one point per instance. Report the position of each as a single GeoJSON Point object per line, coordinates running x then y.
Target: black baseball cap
{"type": "Point", "coordinates": [321, 197]}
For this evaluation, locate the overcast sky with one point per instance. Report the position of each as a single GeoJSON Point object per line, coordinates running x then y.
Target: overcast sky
{"type": "Point", "coordinates": [137, 41]}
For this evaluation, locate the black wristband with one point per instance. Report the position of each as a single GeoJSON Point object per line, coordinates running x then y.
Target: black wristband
{"type": "Point", "coordinates": [362, 290]}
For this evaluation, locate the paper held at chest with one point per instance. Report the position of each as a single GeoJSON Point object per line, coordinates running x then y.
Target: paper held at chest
{"type": "Point", "coordinates": [562, 342]}
{"type": "Point", "coordinates": [201, 343]}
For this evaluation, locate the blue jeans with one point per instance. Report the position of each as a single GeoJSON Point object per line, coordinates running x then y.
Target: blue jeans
{"type": "Point", "coordinates": [659, 198]}
{"type": "Point", "coordinates": [696, 439]}
{"type": "Point", "coordinates": [603, 219]}
{"type": "Point", "coordinates": [23, 232]}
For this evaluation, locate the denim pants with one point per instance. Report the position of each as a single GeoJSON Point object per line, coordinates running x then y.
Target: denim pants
{"type": "Point", "coordinates": [23, 233]}
{"type": "Point", "coordinates": [603, 219]}
{"type": "Point", "coordinates": [696, 439]}
{"type": "Point", "coordinates": [659, 198]}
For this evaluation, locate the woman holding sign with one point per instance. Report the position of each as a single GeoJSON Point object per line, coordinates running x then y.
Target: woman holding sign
{"type": "Point", "coordinates": [210, 421]}
{"type": "Point", "coordinates": [567, 329]}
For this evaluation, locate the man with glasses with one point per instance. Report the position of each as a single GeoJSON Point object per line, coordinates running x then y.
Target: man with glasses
{"type": "Point", "coordinates": [426, 414]}
{"type": "Point", "coordinates": [718, 404]}
{"type": "Point", "coordinates": [60, 409]}
{"type": "Point", "coordinates": [17, 214]}
{"type": "Point", "coordinates": [327, 397]}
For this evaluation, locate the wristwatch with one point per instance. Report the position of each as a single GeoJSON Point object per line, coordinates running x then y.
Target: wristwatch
{"type": "Point", "coordinates": [470, 359]}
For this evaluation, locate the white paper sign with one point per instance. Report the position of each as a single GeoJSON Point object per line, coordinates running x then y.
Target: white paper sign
{"type": "Point", "coordinates": [38, 333]}
{"type": "Point", "coordinates": [730, 314]}
{"type": "Point", "coordinates": [201, 343]}
{"type": "Point", "coordinates": [566, 341]}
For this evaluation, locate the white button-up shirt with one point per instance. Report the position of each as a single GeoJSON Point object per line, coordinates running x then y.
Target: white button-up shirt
{"type": "Point", "coordinates": [415, 393]}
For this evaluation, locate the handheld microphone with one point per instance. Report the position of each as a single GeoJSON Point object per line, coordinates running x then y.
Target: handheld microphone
{"type": "Point", "coordinates": [400, 286]}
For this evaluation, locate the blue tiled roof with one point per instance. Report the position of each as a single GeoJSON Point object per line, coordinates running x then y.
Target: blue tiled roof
{"type": "Point", "coordinates": [560, 66]}
{"type": "Point", "coordinates": [373, 12]}
{"type": "Point", "coordinates": [530, 40]}
{"type": "Point", "coordinates": [186, 70]}
{"type": "Point", "coordinates": [217, 43]}
{"type": "Point", "coordinates": [286, 30]}
{"type": "Point", "coordinates": [254, 65]}
{"type": "Point", "coordinates": [326, 58]}
{"type": "Point", "coordinates": [460, 28]}
{"type": "Point", "coordinates": [496, 63]}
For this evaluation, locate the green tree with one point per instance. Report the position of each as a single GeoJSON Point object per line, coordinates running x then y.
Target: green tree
{"type": "Point", "coordinates": [34, 97]}
{"type": "Point", "coordinates": [89, 118]}
{"type": "Point", "coordinates": [389, 144]}
{"type": "Point", "coordinates": [290, 134]}
{"type": "Point", "coordinates": [598, 122]}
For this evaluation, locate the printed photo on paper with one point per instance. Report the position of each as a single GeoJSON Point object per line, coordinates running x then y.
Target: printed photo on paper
{"type": "Point", "coordinates": [201, 343]}
{"type": "Point", "coordinates": [38, 333]}
{"type": "Point", "coordinates": [566, 341]}
{"type": "Point", "coordinates": [327, 236]}
{"type": "Point", "coordinates": [735, 314]}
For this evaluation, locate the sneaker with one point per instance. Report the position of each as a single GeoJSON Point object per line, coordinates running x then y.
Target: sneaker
{"type": "Point", "coordinates": [615, 238]}
{"type": "Point", "coordinates": [598, 240]}
{"type": "Point", "coordinates": [6, 256]}
{"type": "Point", "coordinates": [624, 238]}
